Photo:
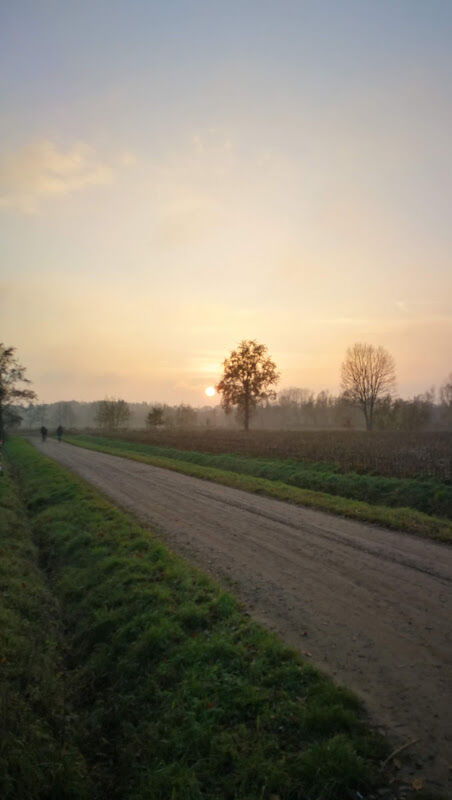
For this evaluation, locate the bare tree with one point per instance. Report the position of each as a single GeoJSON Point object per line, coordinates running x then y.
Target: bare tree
{"type": "Point", "coordinates": [112, 414]}
{"type": "Point", "coordinates": [367, 373]}
{"type": "Point", "coordinates": [445, 396]}
{"type": "Point", "coordinates": [11, 374]}
{"type": "Point", "coordinates": [292, 396]}
{"type": "Point", "coordinates": [445, 392]}
{"type": "Point", "coordinates": [248, 374]}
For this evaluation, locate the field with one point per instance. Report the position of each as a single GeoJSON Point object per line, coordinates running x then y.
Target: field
{"type": "Point", "coordinates": [422, 506]}
{"type": "Point", "coordinates": [391, 454]}
{"type": "Point", "coordinates": [124, 671]}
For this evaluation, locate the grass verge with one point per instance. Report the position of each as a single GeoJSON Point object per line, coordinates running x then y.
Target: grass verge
{"type": "Point", "coordinates": [401, 518]}
{"type": "Point", "coordinates": [428, 494]}
{"type": "Point", "coordinates": [39, 756]}
{"type": "Point", "coordinates": [179, 694]}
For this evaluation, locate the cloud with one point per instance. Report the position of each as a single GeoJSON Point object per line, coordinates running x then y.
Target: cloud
{"type": "Point", "coordinates": [40, 170]}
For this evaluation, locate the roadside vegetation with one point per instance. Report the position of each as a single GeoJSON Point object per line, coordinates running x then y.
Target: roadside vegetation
{"type": "Point", "coordinates": [429, 495]}
{"type": "Point", "coordinates": [390, 454]}
{"type": "Point", "coordinates": [177, 693]}
{"type": "Point", "coordinates": [39, 756]}
{"type": "Point", "coordinates": [396, 503]}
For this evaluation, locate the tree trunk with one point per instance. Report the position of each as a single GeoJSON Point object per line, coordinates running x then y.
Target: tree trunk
{"type": "Point", "coordinates": [246, 413]}
{"type": "Point", "coordinates": [368, 418]}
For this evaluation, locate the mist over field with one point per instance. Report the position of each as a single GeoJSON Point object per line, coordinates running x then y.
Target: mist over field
{"type": "Point", "coordinates": [294, 410]}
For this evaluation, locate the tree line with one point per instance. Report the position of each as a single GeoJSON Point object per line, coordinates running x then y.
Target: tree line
{"type": "Point", "coordinates": [368, 380]}
{"type": "Point", "coordinates": [248, 388]}
{"type": "Point", "coordinates": [293, 409]}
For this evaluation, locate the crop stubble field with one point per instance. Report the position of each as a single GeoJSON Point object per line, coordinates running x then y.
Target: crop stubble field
{"type": "Point", "coordinates": [392, 454]}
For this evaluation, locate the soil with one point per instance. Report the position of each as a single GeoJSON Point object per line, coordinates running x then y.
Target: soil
{"type": "Point", "coordinates": [369, 606]}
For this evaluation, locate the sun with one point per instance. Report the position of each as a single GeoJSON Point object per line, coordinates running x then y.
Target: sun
{"type": "Point", "coordinates": [210, 391]}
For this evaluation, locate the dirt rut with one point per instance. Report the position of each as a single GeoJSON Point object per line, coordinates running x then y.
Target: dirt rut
{"type": "Point", "coordinates": [369, 606]}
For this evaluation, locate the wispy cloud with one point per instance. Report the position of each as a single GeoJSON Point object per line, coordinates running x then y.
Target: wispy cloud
{"type": "Point", "coordinates": [41, 170]}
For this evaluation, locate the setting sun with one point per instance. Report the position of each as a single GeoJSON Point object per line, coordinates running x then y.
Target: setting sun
{"type": "Point", "coordinates": [210, 391]}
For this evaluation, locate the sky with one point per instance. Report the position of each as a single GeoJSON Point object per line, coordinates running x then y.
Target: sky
{"type": "Point", "coordinates": [178, 176]}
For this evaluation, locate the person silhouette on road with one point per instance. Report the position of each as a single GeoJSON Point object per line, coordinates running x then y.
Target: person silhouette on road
{"type": "Point", "coordinates": [59, 432]}
{"type": "Point", "coordinates": [43, 433]}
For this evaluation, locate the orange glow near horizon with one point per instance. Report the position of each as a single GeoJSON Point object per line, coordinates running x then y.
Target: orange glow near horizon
{"type": "Point", "coordinates": [283, 177]}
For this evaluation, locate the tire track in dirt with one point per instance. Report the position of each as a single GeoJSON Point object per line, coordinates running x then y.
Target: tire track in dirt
{"type": "Point", "coordinates": [371, 606]}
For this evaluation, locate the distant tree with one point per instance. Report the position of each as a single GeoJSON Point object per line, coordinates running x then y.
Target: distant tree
{"type": "Point", "coordinates": [404, 415]}
{"type": "Point", "coordinates": [445, 396]}
{"type": "Point", "coordinates": [64, 414]}
{"type": "Point", "coordinates": [12, 374]}
{"type": "Point", "coordinates": [111, 414]}
{"type": "Point", "coordinates": [184, 416]}
{"type": "Point", "coordinates": [292, 396]}
{"type": "Point", "coordinates": [415, 414]}
{"type": "Point", "coordinates": [12, 418]}
{"type": "Point", "coordinates": [154, 418]}
{"type": "Point", "coordinates": [368, 373]}
{"type": "Point", "coordinates": [324, 404]}
{"type": "Point", "coordinates": [344, 412]}
{"type": "Point", "coordinates": [38, 415]}
{"type": "Point", "coordinates": [386, 413]}
{"type": "Point", "coordinates": [290, 411]}
{"type": "Point", "coordinates": [248, 375]}
{"type": "Point", "coordinates": [445, 392]}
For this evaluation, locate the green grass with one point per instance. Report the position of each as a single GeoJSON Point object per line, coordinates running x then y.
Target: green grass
{"type": "Point", "coordinates": [200, 465]}
{"type": "Point", "coordinates": [38, 746]}
{"type": "Point", "coordinates": [178, 693]}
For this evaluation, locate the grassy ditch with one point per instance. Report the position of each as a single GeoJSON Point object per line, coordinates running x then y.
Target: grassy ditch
{"type": "Point", "coordinates": [277, 478]}
{"type": "Point", "coordinates": [39, 756]}
{"type": "Point", "coordinates": [178, 693]}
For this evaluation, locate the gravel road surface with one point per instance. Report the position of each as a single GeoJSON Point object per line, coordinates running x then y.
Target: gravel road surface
{"type": "Point", "coordinates": [369, 606]}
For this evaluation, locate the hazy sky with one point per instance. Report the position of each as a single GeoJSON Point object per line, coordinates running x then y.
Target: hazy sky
{"type": "Point", "coordinates": [177, 176]}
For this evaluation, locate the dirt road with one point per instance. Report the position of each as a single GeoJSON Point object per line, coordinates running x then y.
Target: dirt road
{"type": "Point", "coordinates": [369, 606]}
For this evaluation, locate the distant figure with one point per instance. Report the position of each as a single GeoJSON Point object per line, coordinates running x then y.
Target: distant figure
{"type": "Point", "coordinates": [59, 432]}
{"type": "Point", "coordinates": [43, 433]}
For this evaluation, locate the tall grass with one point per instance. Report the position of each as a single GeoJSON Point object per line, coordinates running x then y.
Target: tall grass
{"type": "Point", "coordinates": [39, 756]}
